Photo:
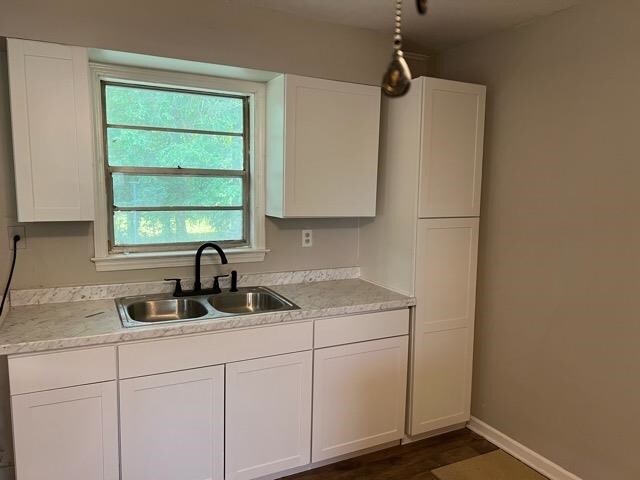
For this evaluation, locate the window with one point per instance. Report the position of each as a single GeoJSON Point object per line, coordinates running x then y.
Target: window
{"type": "Point", "coordinates": [180, 166]}
{"type": "Point", "coordinates": [177, 166]}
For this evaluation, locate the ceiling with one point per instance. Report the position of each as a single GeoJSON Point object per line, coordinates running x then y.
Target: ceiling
{"type": "Point", "coordinates": [448, 23]}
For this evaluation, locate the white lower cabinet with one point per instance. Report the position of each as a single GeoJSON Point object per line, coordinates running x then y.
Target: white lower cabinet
{"type": "Point", "coordinates": [172, 425]}
{"type": "Point", "coordinates": [240, 419]}
{"type": "Point", "coordinates": [359, 396]}
{"type": "Point", "coordinates": [268, 415]}
{"type": "Point", "coordinates": [67, 433]}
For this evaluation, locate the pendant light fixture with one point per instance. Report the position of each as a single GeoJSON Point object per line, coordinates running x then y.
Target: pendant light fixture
{"type": "Point", "coordinates": [397, 78]}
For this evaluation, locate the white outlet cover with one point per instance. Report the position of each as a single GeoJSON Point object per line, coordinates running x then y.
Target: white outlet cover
{"type": "Point", "coordinates": [307, 238]}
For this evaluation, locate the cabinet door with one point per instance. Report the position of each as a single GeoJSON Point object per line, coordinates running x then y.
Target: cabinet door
{"type": "Point", "coordinates": [172, 425]}
{"type": "Point", "coordinates": [446, 265]}
{"type": "Point", "coordinates": [268, 415]}
{"type": "Point", "coordinates": [52, 136]}
{"type": "Point", "coordinates": [359, 395]}
{"type": "Point", "coordinates": [452, 143]}
{"type": "Point", "coordinates": [444, 319]}
{"type": "Point", "coordinates": [68, 433]}
{"type": "Point", "coordinates": [442, 379]}
{"type": "Point", "coordinates": [331, 138]}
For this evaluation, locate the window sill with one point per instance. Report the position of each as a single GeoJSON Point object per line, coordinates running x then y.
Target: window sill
{"type": "Point", "coordinates": [139, 261]}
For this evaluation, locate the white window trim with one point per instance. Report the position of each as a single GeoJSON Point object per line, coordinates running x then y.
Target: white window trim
{"type": "Point", "coordinates": [255, 252]}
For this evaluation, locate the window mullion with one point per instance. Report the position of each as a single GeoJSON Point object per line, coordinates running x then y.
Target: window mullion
{"type": "Point", "coordinates": [174, 130]}
{"type": "Point", "coordinates": [179, 208]}
{"type": "Point", "coordinates": [187, 172]}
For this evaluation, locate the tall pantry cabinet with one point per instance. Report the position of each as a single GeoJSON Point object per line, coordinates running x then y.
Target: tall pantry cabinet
{"type": "Point", "coordinates": [424, 239]}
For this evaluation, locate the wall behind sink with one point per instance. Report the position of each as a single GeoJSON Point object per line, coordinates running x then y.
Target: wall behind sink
{"type": "Point", "coordinates": [216, 32]}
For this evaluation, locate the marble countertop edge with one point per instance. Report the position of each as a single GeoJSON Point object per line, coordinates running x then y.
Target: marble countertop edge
{"type": "Point", "coordinates": [132, 334]}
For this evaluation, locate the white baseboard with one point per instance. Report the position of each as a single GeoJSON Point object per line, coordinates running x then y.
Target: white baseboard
{"type": "Point", "coordinates": [527, 456]}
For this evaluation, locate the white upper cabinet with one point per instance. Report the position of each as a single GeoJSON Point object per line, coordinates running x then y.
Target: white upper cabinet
{"type": "Point", "coordinates": [322, 148]}
{"type": "Point", "coordinates": [452, 143]}
{"type": "Point", "coordinates": [52, 133]}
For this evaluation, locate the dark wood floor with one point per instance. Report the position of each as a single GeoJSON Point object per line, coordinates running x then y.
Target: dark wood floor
{"type": "Point", "coordinates": [407, 462]}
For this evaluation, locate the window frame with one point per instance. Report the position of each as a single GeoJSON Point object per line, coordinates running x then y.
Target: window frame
{"type": "Point", "coordinates": [110, 170]}
{"type": "Point", "coordinates": [110, 257]}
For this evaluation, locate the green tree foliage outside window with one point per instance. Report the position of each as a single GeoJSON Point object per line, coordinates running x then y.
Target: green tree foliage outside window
{"type": "Point", "coordinates": [177, 165]}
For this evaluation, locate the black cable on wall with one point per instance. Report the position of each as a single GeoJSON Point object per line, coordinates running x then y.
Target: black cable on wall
{"type": "Point", "coordinates": [16, 239]}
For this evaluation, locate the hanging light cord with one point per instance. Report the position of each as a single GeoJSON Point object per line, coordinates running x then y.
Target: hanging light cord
{"type": "Point", "coordinates": [397, 37]}
{"type": "Point", "coordinates": [16, 239]}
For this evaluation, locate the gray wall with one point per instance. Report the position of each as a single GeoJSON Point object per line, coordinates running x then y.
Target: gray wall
{"type": "Point", "coordinates": [557, 356]}
{"type": "Point", "coordinates": [213, 31]}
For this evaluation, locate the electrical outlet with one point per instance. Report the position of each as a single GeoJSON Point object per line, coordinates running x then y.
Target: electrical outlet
{"type": "Point", "coordinates": [17, 230]}
{"type": "Point", "coordinates": [307, 238]}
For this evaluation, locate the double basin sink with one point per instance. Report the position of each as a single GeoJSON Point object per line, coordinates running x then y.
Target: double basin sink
{"type": "Point", "coordinates": [164, 308]}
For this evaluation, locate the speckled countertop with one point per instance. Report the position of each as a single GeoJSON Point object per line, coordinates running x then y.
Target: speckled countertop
{"type": "Point", "coordinates": [37, 328]}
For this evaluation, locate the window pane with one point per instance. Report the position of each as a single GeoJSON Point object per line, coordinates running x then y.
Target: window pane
{"type": "Point", "coordinates": [148, 107]}
{"type": "Point", "coordinates": [176, 191]}
{"type": "Point", "coordinates": [145, 148]}
{"type": "Point", "coordinates": [139, 228]}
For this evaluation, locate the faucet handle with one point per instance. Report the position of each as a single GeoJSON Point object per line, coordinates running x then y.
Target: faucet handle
{"type": "Point", "coordinates": [216, 283]}
{"type": "Point", "coordinates": [178, 290]}
{"type": "Point", "coordinates": [234, 281]}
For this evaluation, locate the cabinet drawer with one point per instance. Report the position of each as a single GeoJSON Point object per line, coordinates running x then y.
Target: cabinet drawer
{"type": "Point", "coordinates": [360, 328]}
{"type": "Point", "coordinates": [46, 371]}
{"type": "Point", "coordinates": [182, 353]}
